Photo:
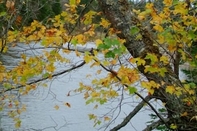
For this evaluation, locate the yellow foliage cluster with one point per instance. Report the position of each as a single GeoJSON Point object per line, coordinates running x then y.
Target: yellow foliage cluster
{"type": "Point", "coordinates": [128, 76]}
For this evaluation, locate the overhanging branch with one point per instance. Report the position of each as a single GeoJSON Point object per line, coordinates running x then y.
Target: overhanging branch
{"type": "Point", "coordinates": [42, 79]}
{"type": "Point", "coordinates": [145, 100]}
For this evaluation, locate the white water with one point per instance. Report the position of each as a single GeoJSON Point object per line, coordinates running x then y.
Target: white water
{"type": "Point", "coordinates": [42, 116]}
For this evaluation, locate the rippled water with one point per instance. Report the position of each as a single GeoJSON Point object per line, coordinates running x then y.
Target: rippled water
{"type": "Point", "coordinates": [41, 114]}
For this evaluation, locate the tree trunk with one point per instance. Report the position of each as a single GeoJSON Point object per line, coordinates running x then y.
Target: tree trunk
{"type": "Point", "coordinates": [119, 13]}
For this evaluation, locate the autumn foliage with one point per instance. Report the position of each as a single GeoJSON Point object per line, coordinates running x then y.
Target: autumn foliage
{"type": "Point", "coordinates": [172, 29]}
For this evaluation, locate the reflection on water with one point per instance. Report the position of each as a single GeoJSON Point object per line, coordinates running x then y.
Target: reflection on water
{"type": "Point", "coordinates": [40, 113]}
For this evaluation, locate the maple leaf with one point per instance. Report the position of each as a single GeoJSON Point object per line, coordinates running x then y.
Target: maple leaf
{"type": "Point", "coordinates": [88, 57]}
{"type": "Point", "coordinates": [152, 57]}
{"type": "Point", "coordinates": [158, 28]}
{"type": "Point", "coordinates": [164, 59]}
{"type": "Point", "coordinates": [95, 94]}
{"type": "Point", "coordinates": [98, 42]}
{"type": "Point", "coordinates": [139, 61]}
{"type": "Point", "coordinates": [104, 23]}
{"type": "Point", "coordinates": [167, 2]}
{"type": "Point", "coordinates": [106, 118]}
{"type": "Point", "coordinates": [92, 116]}
{"type": "Point", "coordinates": [170, 89]}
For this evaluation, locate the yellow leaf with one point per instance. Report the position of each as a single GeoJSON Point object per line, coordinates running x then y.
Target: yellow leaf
{"type": "Point", "coordinates": [161, 39]}
{"type": "Point", "coordinates": [164, 59]}
{"type": "Point", "coordinates": [56, 107]}
{"type": "Point", "coordinates": [113, 93]}
{"type": "Point", "coordinates": [87, 58]}
{"type": "Point", "coordinates": [92, 116]}
{"type": "Point", "coordinates": [16, 103]}
{"type": "Point", "coordinates": [50, 68]}
{"type": "Point", "coordinates": [151, 91]}
{"type": "Point", "coordinates": [98, 42]}
{"type": "Point", "coordinates": [23, 108]}
{"type": "Point", "coordinates": [150, 86]}
{"type": "Point", "coordinates": [81, 39]}
{"type": "Point", "coordinates": [74, 2]}
{"type": "Point", "coordinates": [167, 2]}
{"type": "Point", "coordinates": [98, 71]}
{"type": "Point", "coordinates": [136, 11]}
{"type": "Point", "coordinates": [86, 95]}
{"type": "Point", "coordinates": [106, 118]}
{"type": "Point", "coordinates": [128, 75]}
{"type": "Point", "coordinates": [95, 94]}
{"type": "Point", "coordinates": [104, 23]}
{"type": "Point", "coordinates": [158, 28]}
{"type": "Point", "coordinates": [149, 5]}
{"type": "Point", "coordinates": [106, 63]}
{"type": "Point", "coordinates": [180, 8]}
{"type": "Point", "coordinates": [2, 75]}
{"type": "Point", "coordinates": [113, 62]}
{"type": "Point", "coordinates": [173, 126]}
{"type": "Point", "coordinates": [170, 89]}
{"type": "Point", "coordinates": [18, 111]}
{"type": "Point", "coordinates": [18, 124]}
{"type": "Point", "coordinates": [138, 61]}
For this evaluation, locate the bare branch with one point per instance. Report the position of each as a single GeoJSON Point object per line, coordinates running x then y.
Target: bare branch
{"type": "Point", "coordinates": [132, 114]}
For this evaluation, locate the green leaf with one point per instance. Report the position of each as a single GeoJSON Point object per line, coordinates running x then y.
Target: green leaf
{"type": "Point", "coordinates": [175, 2]}
{"type": "Point", "coordinates": [132, 90]}
{"type": "Point", "coordinates": [7, 85]}
{"type": "Point", "coordinates": [134, 30]}
{"type": "Point", "coordinates": [90, 101]}
{"type": "Point", "coordinates": [103, 46]}
{"type": "Point", "coordinates": [152, 57]}
{"type": "Point", "coordinates": [3, 14]}
{"type": "Point", "coordinates": [102, 101]}
{"type": "Point", "coordinates": [45, 75]}
{"type": "Point", "coordinates": [110, 54]}
{"type": "Point", "coordinates": [162, 70]}
{"type": "Point", "coordinates": [74, 42]}
{"type": "Point", "coordinates": [192, 85]}
{"type": "Point", "coordinates": [192, 34]}
{"type": "Point", "coordinates": [72, 2]}
{"type": "Point", "coordinates": [162, 110]}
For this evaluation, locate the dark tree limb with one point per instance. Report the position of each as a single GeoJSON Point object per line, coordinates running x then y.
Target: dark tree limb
{"type": "Point", "coordinates": [154, 125]}
{"type": "Point", "coordinates": [131, 114]}
{"type": "Point", "coordinates": [45, 78]}
{"type": "Point", "coordinates": [138, 107]}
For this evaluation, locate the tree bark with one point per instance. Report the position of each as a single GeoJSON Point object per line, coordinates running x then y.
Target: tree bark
{"type": "Point", "coordinates": [119, 13]}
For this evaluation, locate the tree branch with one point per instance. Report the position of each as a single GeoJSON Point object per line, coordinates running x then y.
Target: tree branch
{"type": "Point", "coordinates": [154, 125]}
{"type": "Point", "coordinates": [145, 100]}
{"type": "Point", "coordinates": [42, 79]}
{"type": "Point", "coordinates": [132, 114]}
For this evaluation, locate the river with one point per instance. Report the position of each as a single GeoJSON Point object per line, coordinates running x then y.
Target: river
{"type": "Point", "coordinates": [40, 114]}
